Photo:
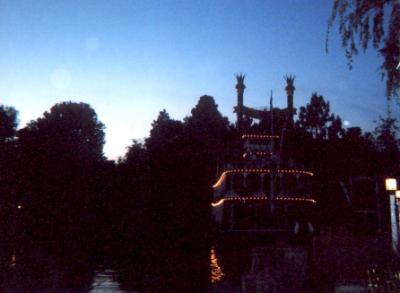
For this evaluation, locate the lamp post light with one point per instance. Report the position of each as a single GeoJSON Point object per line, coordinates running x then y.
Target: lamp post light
{"type": "Point", "coordinates": [391, 186]}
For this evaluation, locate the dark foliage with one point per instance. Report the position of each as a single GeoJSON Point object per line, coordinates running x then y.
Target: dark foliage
{"type": "Point", "coordinates": [150, 211]}
{"type": "Point", "coordinates": [8, 159]}
{"type": "Point", "coordinates": [58, 158]}
{"type": "Point", "coordinates": [317, 120]}
{"type": "Point", "coordinates": [8, 123]}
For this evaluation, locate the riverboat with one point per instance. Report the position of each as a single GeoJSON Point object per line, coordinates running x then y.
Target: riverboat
{"type": "Point", "coordinates": [263, 194]}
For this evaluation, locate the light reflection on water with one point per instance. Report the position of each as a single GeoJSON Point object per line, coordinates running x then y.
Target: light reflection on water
{"type": "Point", "coordinates": [105, 281]}
{"type": "Point", "coordinates": [216, 270]}
{"type": "Point", "coordinates": [383, 280]}
{"type": "Point", "coordinates": [13, 261]}
{"type": "Point", "coordinates": [335, 263]}
{"type": "Point", "coordinates": [223, 268]}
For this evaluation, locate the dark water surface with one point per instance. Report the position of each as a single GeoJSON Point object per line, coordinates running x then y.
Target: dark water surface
{"type": "Point", "coordinates": [335, 260]}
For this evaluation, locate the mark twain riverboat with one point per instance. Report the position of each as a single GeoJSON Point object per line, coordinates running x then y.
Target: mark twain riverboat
{"type": "Point", "coordinates": [264, 194]}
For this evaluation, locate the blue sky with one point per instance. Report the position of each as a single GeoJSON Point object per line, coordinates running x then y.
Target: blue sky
{"type": "Point", "coordinates": [131, 59]}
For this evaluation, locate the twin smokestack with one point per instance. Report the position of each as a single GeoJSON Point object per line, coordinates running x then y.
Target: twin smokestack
{"type": "Point", "coordinates": [240, 108]}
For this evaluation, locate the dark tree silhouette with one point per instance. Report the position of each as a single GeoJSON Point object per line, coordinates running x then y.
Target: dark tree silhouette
{"type": "Point", "coordinates": [209, 138]}
{"type": "Point", "coordinates": [316, 118]}
{"type": "Point", "coordinates": [169, 193]}
{"type": "Point", "coordinates": [132, 204]}
{"type": "Point", "coordinates": [136, 154]}
{"type": "Point", "coordinates": [58, 159]}
{"type": "Point", "coordinates": [385, 133]}
{"type": "Point", "coordinates": [387, 144]}
{"type": "Point", "coordinates": [335, 129]}
{"type": "Point", "coordinates": [72, 129]}
{"type": "Point", "coordinates": [151, 210]}
{"type": "Point", "coordinates": [166, 162]}
{"type": "Point", "coordinates": [8, 176]}
{"type": "Point", "coordinates": [208, 129]}
{"type": "Point", "coordinates": [8, 123]}
{"type": "Point", "coordinates": [362, 22]}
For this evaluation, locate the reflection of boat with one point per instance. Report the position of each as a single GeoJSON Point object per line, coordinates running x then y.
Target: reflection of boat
{"type": "Point", "coordinates": [262, 194]}
{"type": "Point", "coordinates": [277, 270]}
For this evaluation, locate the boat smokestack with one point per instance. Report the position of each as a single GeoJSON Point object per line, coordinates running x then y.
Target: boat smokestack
{"type": "Point", "coordinates": [290, 92]}
{"type": "Point", "coordinates": [240, 91]}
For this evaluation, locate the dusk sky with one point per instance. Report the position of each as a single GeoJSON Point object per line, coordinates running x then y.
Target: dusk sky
{"type": "Point", "coordinates": [131, 59]}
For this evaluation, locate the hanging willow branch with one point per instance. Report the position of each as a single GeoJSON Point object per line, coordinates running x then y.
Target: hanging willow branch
{"type": "Point", "coordinates": [363, 23]}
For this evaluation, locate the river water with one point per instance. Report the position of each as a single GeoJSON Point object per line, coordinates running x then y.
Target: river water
{"type": "Point", "coordinates": [334, 261]}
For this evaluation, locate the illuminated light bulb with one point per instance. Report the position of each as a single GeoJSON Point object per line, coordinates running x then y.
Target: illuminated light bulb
{"type": "Point", "coordinates": [391, 184]}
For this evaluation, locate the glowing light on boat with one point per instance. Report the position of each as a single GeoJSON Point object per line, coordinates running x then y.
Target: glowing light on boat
{"type": "Point", "coordinates": [220, 180]}
{"type": "Point", "coordinates": [259, 171]}
{"type": "Point", "coordinates": [294, 171]}
{"type": "Point", "coordinates": [257, 154]}
{"type": "Point", "coordinates": [263, 198]}
{"type": "Point", "coordinates": [259, 136]}
{"type": "Point", "coordinates": [218, 203]}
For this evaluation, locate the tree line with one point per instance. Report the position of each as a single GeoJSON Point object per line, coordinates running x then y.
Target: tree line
{"type": "Point", "coordinates": [153, 204]}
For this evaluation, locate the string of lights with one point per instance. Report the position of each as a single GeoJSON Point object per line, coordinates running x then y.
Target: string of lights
{"type": "Point", "coordinates": [257, 154]}
{"type": "Point", "coordinates": [259, 136]}
{"type": "Point", "coordinates": [259, 171]}
{"type": "Point", "coordinates": [296, 171]}
{"type": "Point", "coordinates": [262, 198]}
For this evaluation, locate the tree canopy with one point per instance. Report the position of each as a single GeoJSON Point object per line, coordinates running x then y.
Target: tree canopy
{"type": "Point", "coordinates": [58, 159]}
{"type": "Point", "coordinates": [69, 129]}
{"type": "Point", "coordinates": [387, 144]}
{"type": "Point", "coordinates": [208, 128]}
{"type": "Point", "coordinates": [316, 119]}
{"type": "Point", "coordinates": [8, 123]}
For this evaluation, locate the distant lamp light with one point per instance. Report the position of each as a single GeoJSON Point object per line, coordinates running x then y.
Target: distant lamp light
{"type": "Point", "coordinates": [19, 206]}
{"type": "Point", "coordinates": [391, 184]}
{"type": "Point", "coordinates": [398, 194]}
